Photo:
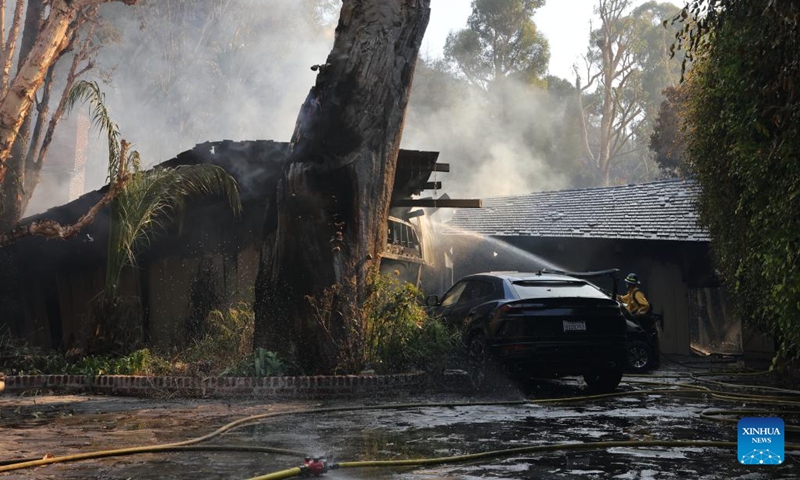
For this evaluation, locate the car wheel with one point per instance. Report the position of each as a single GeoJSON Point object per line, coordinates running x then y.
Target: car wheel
{"type": "Point", "coordinates": [640, 357]}
{"type": "Point", "coordinates": [603, 381]}
{"type": "Point", "coordinates": [481, 366]}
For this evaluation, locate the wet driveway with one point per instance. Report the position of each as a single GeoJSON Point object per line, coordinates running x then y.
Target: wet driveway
{"type": "Point", "coordinates": [365, 434]}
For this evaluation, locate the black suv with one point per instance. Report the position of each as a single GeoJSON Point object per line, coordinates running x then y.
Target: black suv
{"type": "Point", "coordinates": [539, 324]}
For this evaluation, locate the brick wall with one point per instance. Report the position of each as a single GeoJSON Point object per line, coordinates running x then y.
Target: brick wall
{"type": "Point", "coordinates": [261, 387]}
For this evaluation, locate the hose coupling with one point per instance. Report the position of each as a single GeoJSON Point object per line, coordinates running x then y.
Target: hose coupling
{"type": "Point", "coordinates": [314, 467]}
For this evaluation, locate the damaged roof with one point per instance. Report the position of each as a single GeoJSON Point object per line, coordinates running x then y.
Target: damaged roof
{"type": "Point", "coordinates": [256, 165]}
{"type": "Point", "coordinates": [663, 210]}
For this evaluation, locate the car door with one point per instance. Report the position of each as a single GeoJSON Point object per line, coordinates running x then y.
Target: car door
{"type": "Point", "coordinates": [475, 292]}
{"type": "Point", "coordinates": [449, 302]}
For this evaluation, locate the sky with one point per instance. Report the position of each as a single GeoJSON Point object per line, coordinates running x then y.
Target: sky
{"type": "Point", "coordinates": [565, 23]}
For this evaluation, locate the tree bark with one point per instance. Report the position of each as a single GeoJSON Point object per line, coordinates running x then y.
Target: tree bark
{"type": "Point", "coordinates": [330, 213]}
{"type": "Point", "coordinates": [16, 104]}
{"type": "Point", "coordinates": [14, 183]}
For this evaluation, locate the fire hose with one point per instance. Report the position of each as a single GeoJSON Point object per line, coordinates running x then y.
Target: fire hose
{"type": "Point", "coordinates": [313, 466]}
{"type": "Point", "coordinates": [298, 471]}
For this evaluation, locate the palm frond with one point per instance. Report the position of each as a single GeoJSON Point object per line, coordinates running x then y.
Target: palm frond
{"type": "Point", "coordinates": [84, 91]}
{"type": "Point", "coordinates": [152, 199]}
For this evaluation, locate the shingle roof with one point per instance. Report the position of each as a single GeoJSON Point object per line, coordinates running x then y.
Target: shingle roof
{"type": "Point", "coordinates": [663, 210]}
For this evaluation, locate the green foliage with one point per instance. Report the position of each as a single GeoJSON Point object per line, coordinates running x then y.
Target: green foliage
{"type": "Point", "coordinates": [667, 141]}
{"type": "Point", "coordinates": [147, 202]}
{"type": "Point", "coordinates": [151, 199]}
{"type": "Point", "coordinates": [225, 349]}
{"type": "Point", "coordinates": [398, 334]}
{"type": "Point", "coordinates": [83, 92]}
{"type": "Point", "coordinates": [118, 324]}
{"type": "Point", "coordinates": [500, 40]}
{"type": "Point", "coordinates": [260, 363]}
{"type": "Point", "coordinates": [743, 142]}
{"type": "Point", "coordinates": [139, 362]}
{"type": "Point", "coordinates": [20, 358]}
{"type": "Point", "coordinates": [228, 339]}
{"type": "Point", "coordinates": [392, 333]}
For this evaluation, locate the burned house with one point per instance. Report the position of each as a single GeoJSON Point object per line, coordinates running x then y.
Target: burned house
{"type": "Point", "coordinates": [650, 229]}
{"type": "Point", "coordinates": [205, 259]}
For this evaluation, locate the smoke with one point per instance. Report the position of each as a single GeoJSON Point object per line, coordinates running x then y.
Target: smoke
{"type": "Point", "coordinates": [181, 72]}
{"type": "Point", "coordinates": [503, 142]}
{"type": "Point", "coordinates": [185, 71]}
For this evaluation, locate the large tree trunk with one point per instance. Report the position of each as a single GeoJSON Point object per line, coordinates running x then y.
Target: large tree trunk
{"type": "Point", "coordinates": [329, 216]}
{"type": "Point", "coordinates": [14, 183]}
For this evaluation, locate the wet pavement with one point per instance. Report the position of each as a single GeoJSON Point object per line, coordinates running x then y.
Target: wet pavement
{"type": "Point", "coordinates": [366, 434]}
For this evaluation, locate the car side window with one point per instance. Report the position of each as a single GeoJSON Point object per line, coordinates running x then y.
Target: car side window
{"type": "Point", "coordinates": [476, 290]}
{"type": "Point", "coordinates": [452, 296]}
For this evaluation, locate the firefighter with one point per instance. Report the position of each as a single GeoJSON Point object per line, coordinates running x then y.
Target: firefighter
{"type": "Point", "coordinates": [634, 300]}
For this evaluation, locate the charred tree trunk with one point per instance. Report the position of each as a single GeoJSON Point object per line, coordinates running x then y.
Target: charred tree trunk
{"type": "Point", "coordinates": [330, 212]}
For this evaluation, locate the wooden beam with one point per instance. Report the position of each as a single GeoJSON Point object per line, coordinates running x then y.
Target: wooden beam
{"type": "Point", "coordinates": [441, 203]}
{"type": "Point", "coordinates": [433, 186]}
{"type": "Point", "coordinates": [409, 164]}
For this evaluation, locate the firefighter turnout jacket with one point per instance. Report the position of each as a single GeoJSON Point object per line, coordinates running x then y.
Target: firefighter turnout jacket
{"type": "Point", "coordinates": [635, 302]}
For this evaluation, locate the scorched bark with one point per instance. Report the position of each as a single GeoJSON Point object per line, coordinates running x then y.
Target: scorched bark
{"type": "Point", "coordinates": [329, 215]}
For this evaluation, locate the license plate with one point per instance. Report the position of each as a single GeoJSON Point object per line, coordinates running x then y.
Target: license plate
{"type": "Point", "coordinates": [579, 326]}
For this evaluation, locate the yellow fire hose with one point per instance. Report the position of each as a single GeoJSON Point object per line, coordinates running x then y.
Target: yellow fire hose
{"type": "Point", "coordinates": [195, 448]}
{"type": "Point", "coordinates": [670, 388]}
{"type": "Point", "coordinates": [296, 471]}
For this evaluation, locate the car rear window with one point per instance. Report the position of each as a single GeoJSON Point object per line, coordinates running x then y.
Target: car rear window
{"type": "Point", "coordinates": [555, 288]}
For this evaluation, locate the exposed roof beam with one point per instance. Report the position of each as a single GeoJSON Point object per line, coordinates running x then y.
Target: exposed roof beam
{"type": "Point", "coordinates": [440, 203]}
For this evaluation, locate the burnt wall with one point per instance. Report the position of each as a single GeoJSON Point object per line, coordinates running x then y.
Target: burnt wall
{"type": "Point", "coordinates": [47, 286]}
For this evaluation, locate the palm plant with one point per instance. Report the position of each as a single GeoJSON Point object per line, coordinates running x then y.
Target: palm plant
{"type": "Point", "coordinates": [153, 198]}
{"type": "Point", "coordinates": [143, 201]}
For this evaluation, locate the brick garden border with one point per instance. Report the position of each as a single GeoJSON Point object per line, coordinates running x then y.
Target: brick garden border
{"type": "Point", "coordinates": [215, 387]}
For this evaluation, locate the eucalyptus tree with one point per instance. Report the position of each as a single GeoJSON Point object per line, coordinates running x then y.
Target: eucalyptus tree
{"type": "Point", "coordinates": [626, 68]}
{"type": "Point", "coordinates": [501, 41]}
{"type": "Point", "coordinates": [330, 210]}
{"type": "Point", "coordinates": [51, 31]}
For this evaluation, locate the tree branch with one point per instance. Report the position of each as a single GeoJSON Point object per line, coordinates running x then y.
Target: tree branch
{"type": "Point", "coordinates": [73, 74]}
{"type": "Point", "coordinates": [11, 45]}
{"type": "Point", "coordinates": [49, 228]}
{"type": "Point", "coordinates": [2, 25]}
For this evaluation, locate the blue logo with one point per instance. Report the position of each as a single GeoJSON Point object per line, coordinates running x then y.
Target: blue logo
{"type": "Point", "coordinates": [761, 441]}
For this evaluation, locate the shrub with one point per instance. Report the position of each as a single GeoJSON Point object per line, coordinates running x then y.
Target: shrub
{"type": "Point", "coordinates": [228, 341]}
{"type": "Point", "coordinates": [140, 362]}
{"type": "Point", "coordinates": [17, 357]}
{"type": "Point", "coordinates": [261, 363]}
{"type": "Point", "coordinates": [392, 332]}
{"type": "Point", "coordinates": [743, 142]}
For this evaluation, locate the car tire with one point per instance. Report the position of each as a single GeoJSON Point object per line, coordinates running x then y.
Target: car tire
{"type": "Point", "coordinates": [482, 370]}
{"type": "Point", "coordinates": [641, 357]}
{"type": "Point", "coordinates": [603, 381]}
